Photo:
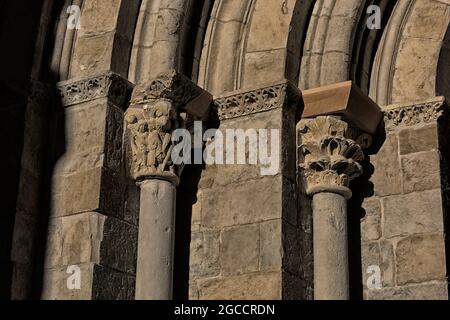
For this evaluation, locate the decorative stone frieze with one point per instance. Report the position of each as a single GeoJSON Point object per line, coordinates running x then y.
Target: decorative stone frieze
{"type": "Point", "coordinates": [110, 85]}
{"type": "Point", "coordinates": [413, 114]}
{"type": "Point", "coordinates": [248, 102]}
{"type": "Point", "coordinates": [332, 151]}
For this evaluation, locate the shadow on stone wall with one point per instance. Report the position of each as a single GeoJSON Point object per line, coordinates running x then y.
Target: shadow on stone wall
{"type": "Point", "coordinates": [362, 189]}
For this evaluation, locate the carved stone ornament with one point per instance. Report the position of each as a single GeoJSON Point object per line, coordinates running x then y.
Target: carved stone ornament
{"type": "Point", "coordinates": [244, 103]}
{"type": "Point", "coordinates": [108, 85]}
{"type": "Point", "coordinates": [409, 115]}
{"type": "Point", "coordinates": [149, 131]}
{"type": "Point", "coordinates": [158, 107]}
{"type": "Point", "coordinates": [330, 155]}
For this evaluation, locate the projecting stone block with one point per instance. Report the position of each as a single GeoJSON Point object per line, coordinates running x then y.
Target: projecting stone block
{"type": "Point", "coordinates": [413, 213]}
{"type": "Point", "coordinates": [420, 258]}
{"type": "Point", "coordinates": [239, 249]}
{"type": "Point", "coordinates": [266, 286]}
{"type": "Point", "coordinates": [343, 99]}
{"type": "Point", "coordinates": [421, 171]}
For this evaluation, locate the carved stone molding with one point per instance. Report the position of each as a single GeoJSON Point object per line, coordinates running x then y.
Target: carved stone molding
{"type": "Point", "coordinates": [330, 152]}
{"type": "Point", "coordinates": [249, 102]}
{"type": "Point", "coordinates": [414, 114]}
{"type": "Point", "coordinates": [108, 85]}
{"type": "Point", "coordinates": [159, 107]}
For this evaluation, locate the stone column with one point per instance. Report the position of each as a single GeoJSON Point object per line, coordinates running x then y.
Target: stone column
{"type": "Point", "coordinates": [331, 150]}
{"type": "Point", "coordinates": [158, 108]}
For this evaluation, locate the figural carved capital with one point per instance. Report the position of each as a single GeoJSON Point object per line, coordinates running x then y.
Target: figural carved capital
{"type": "Point", "coordinates": [157, 109]}
{"type": "Point", "coordinates": [330, 152]}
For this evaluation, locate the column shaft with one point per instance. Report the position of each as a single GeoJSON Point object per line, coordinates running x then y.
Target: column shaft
{"type": "Point", "coordinates": [154, 278]}
{"type": "Point", "coordinates": [331, 278]}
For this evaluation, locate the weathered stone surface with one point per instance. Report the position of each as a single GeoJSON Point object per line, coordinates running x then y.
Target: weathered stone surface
{"type": "Point", "coordinates": [204, 254]}
{"type": "Point", "coordinates": [270, 246]}
{"type": "Point", "coordinates": [108, 284]}
{"type": "Point", "coordinates": [266, 286]}
{"type": "Point", "coordinates": [379, 254]}
{"type": "Point", "coordinates": [239, 249]}
{"type": "Point", "coordinates": [412, 213]}
{"type": "Point", "coordinates": [415, 70]}
{"type": "Point", "coordinates": [418, 139]}
{"type": "Point", "coordinates": [235, 206]}
{"type": "Point", "coordinates": [421, 171]}
{"type": "Point", "coordinates": [118, 249]}
{"type": "Point", "coordinates": [371, 222]}
{"type": "Point", "coordinates": [262, 65]}
{"type": "Point", "coordinates": [79, 192]}
{"type": "Point", "coordinates": [56, 288]}
{"type": "Point", "coordinates": [420, 258]}
{"type": "Point", "coordinates": [427, 291]}
{"type": "Point", "coordinates": [97, 189]}
{"type": "Point", "coordinates": [386, 177]}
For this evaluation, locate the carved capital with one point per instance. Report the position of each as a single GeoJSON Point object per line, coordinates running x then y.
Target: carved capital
{"type": "Point", "coordinates": [330, 152]}
{"type": "Point", "coordinates": [159, 107]}
{"type": "Point", "coordinates": [149, 131]}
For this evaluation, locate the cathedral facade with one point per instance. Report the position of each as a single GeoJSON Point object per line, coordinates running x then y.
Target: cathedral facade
{"type": "Point", "coordinates": [139, 135]}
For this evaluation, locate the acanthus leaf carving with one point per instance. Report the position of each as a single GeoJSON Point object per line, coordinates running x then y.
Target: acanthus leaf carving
{"type": "Point", "coordinates": [331, 156]}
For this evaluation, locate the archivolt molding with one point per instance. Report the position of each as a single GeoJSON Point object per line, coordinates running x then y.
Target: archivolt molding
{"type": "Point", "coordinates": [329, 42]}
{"type": "Point", "coordinates": [253, 44]}
{"type": "Point", "coordinates": [164, 37]}
{"type": "Point", "coordinates": [384, 64]}
{"type": "Point", "coordinates": [407, 59]}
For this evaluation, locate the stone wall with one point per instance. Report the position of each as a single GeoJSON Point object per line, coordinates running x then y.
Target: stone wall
{"type": "Point", "coordinates": [245, 236]}
{"type": "Point", "coordinates": [403, 229]}
{"type": "Point", "coordinates": [92, 222]}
